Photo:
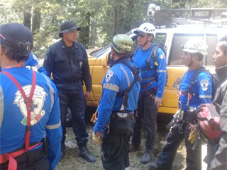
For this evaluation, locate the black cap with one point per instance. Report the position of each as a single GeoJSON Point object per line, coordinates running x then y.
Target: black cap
{"type": "Point", "coordinates": [67, 27]}
{"type": "Point", "coordinates": [16, 36]}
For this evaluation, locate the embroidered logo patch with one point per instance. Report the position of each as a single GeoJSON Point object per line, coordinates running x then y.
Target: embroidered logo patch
{"type": "Point", "coordinates": [204, 84]}
{"type": "Point", "coordinates": [109, 74]}
{"type": "Point", "coordinates": [37, 103]}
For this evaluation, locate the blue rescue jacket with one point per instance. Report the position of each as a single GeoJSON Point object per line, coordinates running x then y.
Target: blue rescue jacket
{"type": "Point", "coordinates": [33, 64]}
{"type": "Point", "coordinates": [45, 115]}
{"type": "Point", "coordinates": [117, 79]}
{"type": "Point", "coordinates": [199, 92]}
{"type": "Point", "coordinates": [153, 78]}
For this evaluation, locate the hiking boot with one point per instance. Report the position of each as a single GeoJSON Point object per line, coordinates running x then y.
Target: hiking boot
{"type": "Point", "coordinates": [153, 166]}
{"type": "Point", "coordinates": [146, 157]}
{"type": "Point", "coordinates": [84, 153]}
{"type": "Point", "coordinates": [133, 148]}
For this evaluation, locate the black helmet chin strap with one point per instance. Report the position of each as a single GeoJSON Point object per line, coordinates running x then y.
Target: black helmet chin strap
{"type": "Point", "coordinates": [190, 64]}
{"type": "Point", "coordinates": [145, 42]}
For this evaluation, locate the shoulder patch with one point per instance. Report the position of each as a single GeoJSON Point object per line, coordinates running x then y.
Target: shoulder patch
{"type": "Point", "coordinates": [109, 74]}
{"type": "Point", "coordinates": [204, 84]}
{"type": "Point", "coordinates": [161, 57]}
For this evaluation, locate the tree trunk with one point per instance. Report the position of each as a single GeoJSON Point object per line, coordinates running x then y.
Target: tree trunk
{"type": "Point", "coordinates": [115, 21]}
{"type": "Point", "coordinates": [27, 16]}
{"type": "Point", "coordinates": [36, 20]}
{"type": "Point", "coordinates": [84, 33]}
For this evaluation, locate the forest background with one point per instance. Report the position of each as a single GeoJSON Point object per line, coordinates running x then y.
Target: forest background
{"type": "Point", "coordinates": [100, 20]}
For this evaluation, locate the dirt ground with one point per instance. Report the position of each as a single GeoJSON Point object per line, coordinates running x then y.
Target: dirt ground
{"type": "Point", "coordinates": [71, 160]}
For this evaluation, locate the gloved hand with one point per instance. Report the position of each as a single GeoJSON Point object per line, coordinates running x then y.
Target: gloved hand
{"type": "Point", "coordinates": [192, 134]}
{"type": "Point", "coordinates": [97, 137]}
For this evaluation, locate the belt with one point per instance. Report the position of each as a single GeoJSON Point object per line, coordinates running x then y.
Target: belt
{"type": "Point", "coordinates": [68, 81]}
{"type": "Point", "coordinates": [145, 86]}
{"type": "Point", "coordinates": [148, 78]}
{"type": "Point", "coordinates": [10, 157]}
{"type": "Point", "coordinates": [128, 115]}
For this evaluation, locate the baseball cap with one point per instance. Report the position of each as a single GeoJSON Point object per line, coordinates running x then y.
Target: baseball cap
{"type": "Point", "coordinates": [67, 27]}
{"type": "Point", "coordinates": [17, 37]}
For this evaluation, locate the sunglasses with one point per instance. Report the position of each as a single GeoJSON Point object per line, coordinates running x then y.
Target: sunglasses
{"type": "Point", "coordinates": [141, 35]}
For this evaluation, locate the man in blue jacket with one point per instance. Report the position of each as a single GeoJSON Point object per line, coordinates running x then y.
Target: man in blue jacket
{"type": "Point", "coordinates": [195, 89]}
{"type": "Point", "coordinates": [119, 100]}
{"type": "Point", "coordinates": [29, 107]}
{"type": "Point", "coordinates": [33, 64]}
{"type": "Point", "coordinates": [153, 73]}
{"type": "Point", "coordinates": [67, 61]}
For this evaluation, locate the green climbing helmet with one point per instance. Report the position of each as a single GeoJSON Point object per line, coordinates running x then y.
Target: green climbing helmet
{"type": "Point", "coordinates": [122, 44]}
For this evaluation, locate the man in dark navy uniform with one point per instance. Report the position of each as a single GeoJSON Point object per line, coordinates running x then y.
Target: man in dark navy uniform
{"type": "Point", "coordinates": [29, 107]}
{"type": "Point", "coordinates": [67, 61]}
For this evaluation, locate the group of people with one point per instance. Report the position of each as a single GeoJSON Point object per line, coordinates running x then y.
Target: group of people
{"type": "Point", "coordinates": [33, 107]}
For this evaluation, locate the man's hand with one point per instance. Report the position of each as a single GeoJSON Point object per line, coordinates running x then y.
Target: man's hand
{"type": "Point", "coordinates": [97, 137]}
{"type": "Point", "coordinates": [157, 101]}
{"type": "Point", "coordinates": [87, 95]}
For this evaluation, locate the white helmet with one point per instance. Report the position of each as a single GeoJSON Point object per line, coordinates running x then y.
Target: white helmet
{"type": "Point", "coordinates": [146, 28]}
{"type": "Point", "coordinates": [196, 46]}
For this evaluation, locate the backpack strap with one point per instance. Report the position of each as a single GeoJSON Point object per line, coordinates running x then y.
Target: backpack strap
{"type": "Point", "coordinates": [127, 90]}
{"type": "Point", "coordinates": [154, 57]}
{"type": "Point", "coordinates": [193, 80]}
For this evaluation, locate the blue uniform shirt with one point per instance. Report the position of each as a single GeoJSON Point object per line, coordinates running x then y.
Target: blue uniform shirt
{"type": "Point", "coordinates": [117, 79]}
{"type": "Point", "coordinates": [202, 90]}
{"type": "Point", "coordinates": [140, 59]}
{"type": "Point", "coordinates": [33, 63]}
{"type": "Point", "coordinates": [45, 115]}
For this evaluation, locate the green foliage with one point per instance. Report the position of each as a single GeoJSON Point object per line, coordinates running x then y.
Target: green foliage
{"type": "Point", "coordinates": [100, 20]}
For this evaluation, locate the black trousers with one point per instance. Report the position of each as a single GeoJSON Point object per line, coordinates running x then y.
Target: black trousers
{"type": "Point", "coordinates": [115, 151]}
{"type": "Point", "coordinates": [31, 160]}
{"type": "Point", "coordinates": [147, 115]}
{"type": "Point", "coordinates": [174, 139]}
{"type": "Point", "coordinates": [76, 103]}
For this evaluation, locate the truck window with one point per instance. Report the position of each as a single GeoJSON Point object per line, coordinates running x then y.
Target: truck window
{"type": "Point", "coordinates": [176, 48]}
{"type": "Point", "coordinates": [160, 38]}
{"type": "Point", "coordinates": [211, 42]}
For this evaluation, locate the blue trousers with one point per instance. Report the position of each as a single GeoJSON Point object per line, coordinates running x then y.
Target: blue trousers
{"type": "Point", "coordinates": [77, 104]}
